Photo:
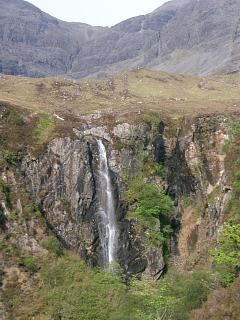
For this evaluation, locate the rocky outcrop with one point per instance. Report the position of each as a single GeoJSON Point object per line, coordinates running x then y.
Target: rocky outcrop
{"type": "Point", "coordinates": [202, 188]}
{"type": "Point", "coordinates": [61, 179]}
{"type": "Point", "coordinates": [64, 180]}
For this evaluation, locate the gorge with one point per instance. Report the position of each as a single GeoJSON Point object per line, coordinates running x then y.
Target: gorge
{"type": "Point", "coordinates": [120, 193]}
{"type": "Point", "coordinates": [141, 193]}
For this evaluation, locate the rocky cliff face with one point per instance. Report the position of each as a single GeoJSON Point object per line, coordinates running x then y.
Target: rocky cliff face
{"type": "Point", "coordinates": [199, 181]}
{"type": "Point", "coordinates": [182, 36]}
{"type": "Point", "coordinates": [62, 179]}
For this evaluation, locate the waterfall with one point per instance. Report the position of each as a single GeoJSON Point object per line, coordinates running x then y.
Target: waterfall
{"type": "Point", "coordinates": [107, 220]}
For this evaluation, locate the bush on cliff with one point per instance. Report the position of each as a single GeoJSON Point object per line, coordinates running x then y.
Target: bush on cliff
{"type": "Point", "coordinates": [152, 207]}
{"type": "Point", "coordinates": [227, 254]}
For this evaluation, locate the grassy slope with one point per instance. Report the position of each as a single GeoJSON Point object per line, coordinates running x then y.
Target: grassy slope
{"type": "Point", "coordinates": [143, 90]}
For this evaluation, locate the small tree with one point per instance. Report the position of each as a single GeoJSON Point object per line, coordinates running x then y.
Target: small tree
{"type": "Point", "coordinates": [227, 255]}
{"type": "Point", "coordinates": [150, 204]}
{"type": "Point", "coordinates": [148, 199]}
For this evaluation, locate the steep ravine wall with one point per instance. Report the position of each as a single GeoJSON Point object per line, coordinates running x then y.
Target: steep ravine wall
{"type": "Point", "coordinates": [64, 180]}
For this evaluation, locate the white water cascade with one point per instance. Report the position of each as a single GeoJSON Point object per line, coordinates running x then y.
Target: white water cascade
{"type": "Point", "coordinates": [107, 224]}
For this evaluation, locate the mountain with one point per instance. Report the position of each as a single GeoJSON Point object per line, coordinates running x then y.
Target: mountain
{"type": "Point", "coordinates": [34, 43]}
{"type": "Point", "coordinates": [182, 36]}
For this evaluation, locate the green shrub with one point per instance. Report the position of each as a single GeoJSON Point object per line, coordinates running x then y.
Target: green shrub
{"type": "Point", "coordinates": [182, 292]}
{"type": "Point", "coordinates": [236, 187]}
{"type": "Point", "coordinates": [157, 238]}
{"type": "Point", "coordinates": [226, 147]}
{"type": "Point", "coordinates": [8, 248]}
{"type": "Point", "coordinates": [29, 264]}
{"type": "Point", "coordinates": [232, 209]}
{"type": "Point", "coordinates": [4, 188]}
{"type": "Point", "coordinates": [31, 210]}
{"type": "Point", "coordinates": [13, 216]}
{"type": "Point", "coordinates": [66, 288]}
{"type": "Point", "coordinates": [187, 201]}
{"type": "Point", "coordinates": [199, 209]}
{"type": "Point", "coordinates": [118, 144]}
{"type": "Point", "coordinates": [44, 129]}
{"type": "Point", "coordinates": [149, 200]}
{"type": "Point", "coordinates": [1, 140]}
{"type": "Point", "coordinates": [151, 168]}
{"type": "Point", "coordinates": [151, 120]}
{"type": "Point", "coordinates": [227, 254]}
{"type": "Point", "coordinates": [235, 129]}
{"type": "Point", "coordinates": [150, 204]}
{"type": "Point", "coordinates": [9, 157]}
{"type": "Point", "coordinates": [174, 296]}
{"type": "Point", "coordinates": [14, 118]}
{"type": "Point", "coordinates": [52, 245]}
{"type": "Point", "coordinates": [236, 183]}
{"type": "Point", "coordinates": [71, 290]}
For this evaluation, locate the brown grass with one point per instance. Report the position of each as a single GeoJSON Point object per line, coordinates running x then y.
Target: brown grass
{"type": "Point", "coordinates": [135, 91]}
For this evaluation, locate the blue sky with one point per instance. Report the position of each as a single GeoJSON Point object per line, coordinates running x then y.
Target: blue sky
{"type": "Point", "coordinates": [97, 12]}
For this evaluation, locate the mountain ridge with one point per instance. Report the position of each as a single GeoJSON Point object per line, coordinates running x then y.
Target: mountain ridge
{"type": "Point", "coordinates": [181, 36]}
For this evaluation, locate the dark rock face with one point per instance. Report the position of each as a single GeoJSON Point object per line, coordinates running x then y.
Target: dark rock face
{"type": "Point", "coordinates": [2, 219]}
{"type": "Point", "coordinates": [64, 179]}
{"type": "Point", "coordinates": [65, 182]}
{"type": "Point", "coordinates": [180, 178]}
{"type": "Point", "coordinates": [200, 161]}
{"type": "Point", "coordinates": [183, 36]}
{"type": "Point", "coordinates": [159, 149]}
